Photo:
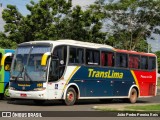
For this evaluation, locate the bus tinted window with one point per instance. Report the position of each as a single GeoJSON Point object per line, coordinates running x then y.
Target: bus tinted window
{"type": "Point", "coordinates": [151, 63]}
{"type": "Point", "coordinates": [61, 53]}
{"type": "Point", "coordinates": [134, 61]}
{"type": "Point", "coordinates": [76, 55]}
{"type": "Point", "coordinates": [7, 63]}
{"type": "Point", "coordinates": [144, 62]}
{"type": "Point", "coordinates": [121, 60]}
{"type": "Point", "coordinates": [92, 57]}
{"type": "Point", "coordinates": [107, 59]}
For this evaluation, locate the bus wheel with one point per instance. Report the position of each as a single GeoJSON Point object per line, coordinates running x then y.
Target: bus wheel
{"type": "Point", "coordinates": [6, 93]}
{"type": "Point", "coordinates": [70, 97]}
{"type": "Point", "coordinates": [133, 96]}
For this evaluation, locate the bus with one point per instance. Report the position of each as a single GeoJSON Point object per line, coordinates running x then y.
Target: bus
{"type": "Point", "coordinates": [6, 56]}
{"type": "Point", "coordinates": [69, 70]}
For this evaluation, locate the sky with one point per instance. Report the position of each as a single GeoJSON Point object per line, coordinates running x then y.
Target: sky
{"type": "Point", "coordinates": [22, 3]}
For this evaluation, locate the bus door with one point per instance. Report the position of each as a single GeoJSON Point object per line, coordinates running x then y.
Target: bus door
{"type": "Point", "coordinates": [56, 71]}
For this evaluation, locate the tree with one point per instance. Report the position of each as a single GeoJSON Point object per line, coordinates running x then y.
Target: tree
{"type": "Point", "coordinates": [39, 24]}
{"type": "Point", "coordinates": [84, 25]}
{"type": "Point", "coordinates": [6, 43]}
{"type": "Point", "coordinates": [13, 20]}
{"type": "Point", "coordinates": [158, 60]}
{"type": "Point", "coordinates": [45, 16]}
{"type": "Point", "coordinates": [132, 22]}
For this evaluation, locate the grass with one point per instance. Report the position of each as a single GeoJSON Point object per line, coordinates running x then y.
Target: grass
{"type": "Point", "coordinates": [153, 107]}
{"type": "Point", "coordinates": [144, 108]}
{"type": "Point", "coordinates": [158, 83]}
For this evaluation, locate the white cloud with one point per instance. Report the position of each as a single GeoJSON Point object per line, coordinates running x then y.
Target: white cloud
{"type": "Point", "coordinates": [2, 23]}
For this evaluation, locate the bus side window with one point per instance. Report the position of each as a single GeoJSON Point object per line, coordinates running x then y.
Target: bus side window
{"type": "Point", "coordinates": [54, 71]}
{"type": "Point", "coordinates": [103, 59]}
{"type": "Point", "coordinates": [144, 62]}
{"type": "Point", "coordinates": [7, 64]}
{"type": "Point", "coordinates": [72, 55]}
{"type": "Point", "coordinates": [134, 61]}
{"type": "Point", "coordinates": [80, 55]}
{"type": "Point", "coordinates": [76, 55]}
{"type": "Point", "coordinates": [92, 57]}
{"type": "Point", "coordinates": [151, 63]}
{"type": "Point", "coordinates": [60, 53]}
{"type": "Point", "coordinates": [121, 60]}
{"type": "Point", "coordinates": [107, 59]}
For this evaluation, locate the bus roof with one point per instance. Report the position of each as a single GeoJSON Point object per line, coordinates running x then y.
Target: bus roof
{"type": "Point", "coordinates": [86, 44]}
{"type": "Point", "coordinates": [134, 52]}
{"type": "Point", "coordinates": [71, 42]}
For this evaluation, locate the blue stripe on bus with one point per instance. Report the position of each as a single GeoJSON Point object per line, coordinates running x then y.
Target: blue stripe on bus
{"type": "Point", "coordinates": [93, 83]}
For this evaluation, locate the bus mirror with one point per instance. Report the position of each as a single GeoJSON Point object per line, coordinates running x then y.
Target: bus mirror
{"type": "Point", "coordinates": [4, 58]}
{"type": "Point", "coordinates": [44, 58]}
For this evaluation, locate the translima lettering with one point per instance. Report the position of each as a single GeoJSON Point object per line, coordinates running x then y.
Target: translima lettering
{"type": "Point", "coordinates": [104, 74]}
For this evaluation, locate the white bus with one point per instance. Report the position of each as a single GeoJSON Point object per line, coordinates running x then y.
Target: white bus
{"type": "Point", "coordinates": [69, 70]}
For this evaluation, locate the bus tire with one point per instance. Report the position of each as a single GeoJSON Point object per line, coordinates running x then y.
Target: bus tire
{"type": "Point", "coordinates": [133, 95]}
{"type": "Point", "coordinates": [71, 97]}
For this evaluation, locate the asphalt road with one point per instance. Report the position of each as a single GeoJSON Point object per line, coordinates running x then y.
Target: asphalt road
{"type": "Point", "coordinates": [83, 105]}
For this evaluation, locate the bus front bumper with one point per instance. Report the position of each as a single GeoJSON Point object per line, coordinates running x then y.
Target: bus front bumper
{"type": "Point", "coordinates": [40, 95]}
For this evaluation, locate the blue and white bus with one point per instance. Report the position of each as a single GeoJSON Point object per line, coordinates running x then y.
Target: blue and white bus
{"type": "Point", "coordinates": [69, 70]}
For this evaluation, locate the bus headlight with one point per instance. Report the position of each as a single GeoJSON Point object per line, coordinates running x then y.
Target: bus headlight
{"type": "Point", "coordinates": [39, 89]}
{"type": "Point", "coordinates": [11, 88]}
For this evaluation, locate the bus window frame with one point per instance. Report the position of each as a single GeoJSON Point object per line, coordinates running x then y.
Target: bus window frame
{"type": "Point", "coordinates": [155, 62]}
{"type": "Point", "coordinates": [139, 68]}
{"type": "Point", "coordinates": [84, 56]}
{"type": "Point", "coordinates": [93, 65]}
{"type": "Point", "coordinates": [10, 63]}
{"type": "Point", "coordinates": [127, 56]}
{"type": "Point", "coordinates": [50, 60]}
{"type": "Point", "coordinates": [146, 69]}
{"type": "Point", "coordinates": [105, 51]}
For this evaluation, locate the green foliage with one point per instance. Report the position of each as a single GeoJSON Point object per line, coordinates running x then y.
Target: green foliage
{"type": "Point", "coordinates": [132, 22]}
{"type": "Point", "coordinates": [158, 60]}
{"type": "Point", "coordinates": [144, 107]}
{"type": "Point", "coordinates": [124, 24]}
{"type": "Point", "coordinates": [6, 43]}
{"type": "Point", "coordinates": [13, 22]}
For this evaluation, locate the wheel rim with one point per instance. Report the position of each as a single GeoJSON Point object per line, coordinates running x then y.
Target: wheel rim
{"type": "Point", "coordinates": [70, 96]}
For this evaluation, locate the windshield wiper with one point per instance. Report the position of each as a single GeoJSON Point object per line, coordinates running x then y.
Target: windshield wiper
{"type": "Point", "coordinates": [19, 74]}
{"type": "Point", "coordinates": [26, 73]}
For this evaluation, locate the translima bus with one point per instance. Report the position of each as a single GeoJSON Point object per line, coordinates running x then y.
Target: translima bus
{"type": "Point", "coordinates": [69, 70]}
{"type": "Point", "coordinates": [6, 56]}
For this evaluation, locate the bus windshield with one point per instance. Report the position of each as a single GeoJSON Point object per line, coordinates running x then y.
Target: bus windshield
{"type": "Point", "coordinates": [27, 63]}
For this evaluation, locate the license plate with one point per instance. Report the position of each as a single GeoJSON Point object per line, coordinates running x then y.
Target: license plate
{"type": "Point", "coordinates": [23, 95]}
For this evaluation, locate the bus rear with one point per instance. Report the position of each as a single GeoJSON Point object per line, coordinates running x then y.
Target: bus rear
{"type": "Point", "coordinates": [6, 56]}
